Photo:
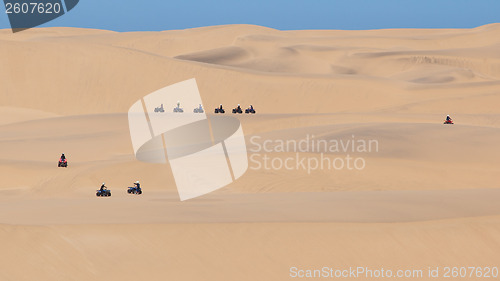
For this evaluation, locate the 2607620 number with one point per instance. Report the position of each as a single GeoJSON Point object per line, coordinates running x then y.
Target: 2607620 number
{"type": "Point", "coordinates": [470, 272]}
{"type": "Point", "coordinates": [32, 8]}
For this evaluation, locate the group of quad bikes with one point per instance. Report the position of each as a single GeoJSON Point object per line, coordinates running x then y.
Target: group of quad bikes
{"type": "Point", "coordinates": [105, 192]}
{"type": "Point", "coordinates": [179, 109]}
{"type": "Point", "coordinates": [199, 109]}
{"type": "Point", "coordinates": [248, 110]}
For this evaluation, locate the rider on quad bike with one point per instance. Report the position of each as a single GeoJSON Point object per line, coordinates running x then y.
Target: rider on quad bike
{"type": "Point", "coordinates": [136, 189]}
{"type": "Point", "coordinates": [137, 185]}
{"type": "Point", "coordinates": [178, 108]}
{"type": "Point", "coordinates": [199, 109]}
{"type": "Point", "coordinates": [237, 109]}
{"type": "Point", "coordinates": [250, 110]}
{"type": "Point", "coordinates": [219, 109]}
{"type": "Point", "coordinates": [62, 161]}
{"type": "Point", "coordinates": [103, 191]}
{"type": "Point", "coordinates": [448, 120]}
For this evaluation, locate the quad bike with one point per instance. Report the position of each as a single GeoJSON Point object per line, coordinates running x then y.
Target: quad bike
{"type": "Point", "coordinates": [103, 193]}
{"type": "Point", "coordinates": [450, 122]}
{"type": "Point", "coordinates": [198, 109]}
{"type": "Point", "coordinates": [63, 163]}
{"type": "Point", "coordinates": [250, 110]}
{"type": "Point", "coordinates": [237, 110]}
{"type": "Point", "coordinates": [134, 190]}
{"type": "Point", "coordinates": [178, 109]}
{"type": "Point", "coordinates": [160, 109]}
{"type": "Point", "coordinates": [219, 110]}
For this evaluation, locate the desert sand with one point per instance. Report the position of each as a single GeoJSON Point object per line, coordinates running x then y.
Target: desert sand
{"type": "Point", "coordinates": [427, 197]}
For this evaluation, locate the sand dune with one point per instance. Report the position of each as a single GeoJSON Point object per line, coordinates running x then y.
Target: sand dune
{"type": "Point", "coordinates": [246, 64]}
{"type": "Point", "coordinates": [427, 197]}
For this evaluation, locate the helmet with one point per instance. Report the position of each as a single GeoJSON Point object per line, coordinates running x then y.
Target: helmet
{"type": "Point", "coordinates": [238, 104]}
{"type": "Point", "coordinates": [137, 182]}
{"type": "Point", "coordinates": [103, 183]}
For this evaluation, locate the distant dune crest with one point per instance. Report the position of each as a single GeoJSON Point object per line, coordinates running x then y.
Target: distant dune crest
{"type": "Point", "coordinates": [234, 62]}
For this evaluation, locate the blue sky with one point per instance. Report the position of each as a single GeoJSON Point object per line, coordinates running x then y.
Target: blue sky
{"type": "Point", "coordinates": [153, 15]}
